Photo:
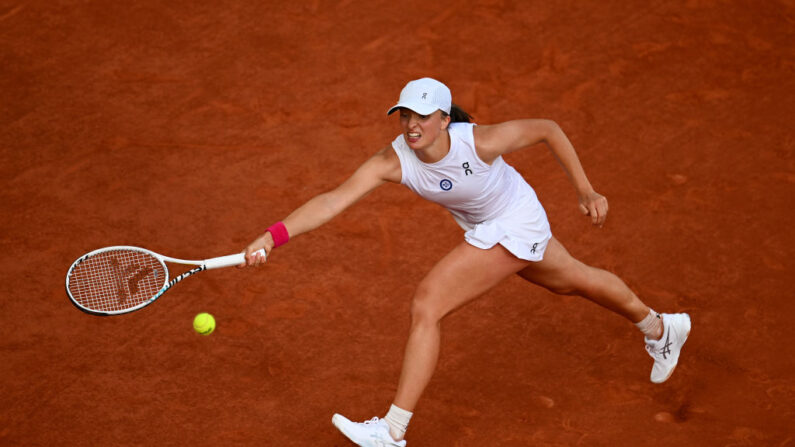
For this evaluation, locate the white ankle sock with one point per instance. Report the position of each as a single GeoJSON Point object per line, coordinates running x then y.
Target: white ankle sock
{"type": "Point", "coordinates": [398, 420]}
{"type": "Point", "coordinates": [651, 326]}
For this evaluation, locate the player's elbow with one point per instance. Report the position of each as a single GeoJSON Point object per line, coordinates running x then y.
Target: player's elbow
{"type": "Point", "coordinates": [533, 131]}
{"type": "Point", "coordinates": [549, 130]}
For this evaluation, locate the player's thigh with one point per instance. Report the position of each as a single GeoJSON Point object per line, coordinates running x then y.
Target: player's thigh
{"type": "Point", "coordinates": [558, 271]}
{"type": "Point", "coordinates": [462, 275]}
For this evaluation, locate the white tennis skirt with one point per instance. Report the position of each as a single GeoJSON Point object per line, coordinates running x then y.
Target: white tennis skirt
{"type": "Point", "coordinates": [523, 230]}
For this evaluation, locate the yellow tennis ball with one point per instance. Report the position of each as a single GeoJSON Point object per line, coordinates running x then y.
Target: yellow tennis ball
{"type": "Point", "coordinates": [204, 323]}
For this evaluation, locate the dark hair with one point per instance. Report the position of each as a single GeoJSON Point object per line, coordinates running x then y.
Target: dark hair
{"type": "Point", "coordinates": [458, 115]}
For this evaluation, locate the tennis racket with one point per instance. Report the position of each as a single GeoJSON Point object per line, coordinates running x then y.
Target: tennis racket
{"type": "Point", "coordinates": [122, 279]}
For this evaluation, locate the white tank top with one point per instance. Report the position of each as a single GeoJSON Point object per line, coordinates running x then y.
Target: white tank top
{"type": "Point", "coordinates": [470, 189]}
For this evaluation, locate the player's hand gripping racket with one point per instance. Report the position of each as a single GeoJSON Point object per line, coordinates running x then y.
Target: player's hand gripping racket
{"type": "Point", "coordinates": [117, 280]}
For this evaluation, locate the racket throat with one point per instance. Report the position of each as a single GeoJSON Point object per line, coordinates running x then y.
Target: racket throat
{"type": "Point", "coordinates": [178, 279]}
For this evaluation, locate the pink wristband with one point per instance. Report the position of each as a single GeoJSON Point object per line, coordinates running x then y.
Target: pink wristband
{"type": "Point", "coordinates": [279, 233]}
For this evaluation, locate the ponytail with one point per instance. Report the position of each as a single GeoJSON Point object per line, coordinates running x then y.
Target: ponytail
{"type": "Point", "coordinates": [458, 115]}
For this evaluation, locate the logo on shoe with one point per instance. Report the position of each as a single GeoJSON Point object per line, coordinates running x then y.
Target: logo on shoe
{"type": "Point", "coordinates": [666, 349]}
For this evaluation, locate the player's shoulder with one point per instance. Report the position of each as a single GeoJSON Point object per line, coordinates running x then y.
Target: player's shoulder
{"type": "Point", "coordinates": [494, 140]}
{"type": "Point", "coordinates": [486, 135]}
{"type": "Point", "coordinates": [487, 131]}
{"type": "Point", "coordinates": [386, 154]}
{"type": "Point", "coordinates": [386, 163]}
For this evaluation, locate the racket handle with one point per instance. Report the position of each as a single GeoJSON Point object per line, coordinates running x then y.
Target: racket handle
{"type": "Point", "coordinates": [229, 261]}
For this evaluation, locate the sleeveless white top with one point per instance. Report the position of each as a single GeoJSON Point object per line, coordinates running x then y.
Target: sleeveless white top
{"type": "Point", "coordinates": [493, 203]}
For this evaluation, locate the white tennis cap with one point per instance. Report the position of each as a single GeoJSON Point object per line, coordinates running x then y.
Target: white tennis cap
{"type": "Point", "coordinates": [424, 96]}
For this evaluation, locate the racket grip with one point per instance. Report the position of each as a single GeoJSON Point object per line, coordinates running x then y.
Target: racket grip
{"type": "Point", "coordinates": [229, 261]}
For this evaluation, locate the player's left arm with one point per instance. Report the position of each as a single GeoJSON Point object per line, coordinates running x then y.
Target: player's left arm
{"type": "Point", "coordinates": [495, 140]}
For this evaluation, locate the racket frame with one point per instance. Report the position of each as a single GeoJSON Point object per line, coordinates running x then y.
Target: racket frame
{"type": "Point", "coordinates": [207, 264]}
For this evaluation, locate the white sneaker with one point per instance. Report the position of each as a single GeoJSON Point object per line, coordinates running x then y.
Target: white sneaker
{"type": "Point", "coordinates": [665, 351]}
{"type": "Point", "coordinates": [372, 433]}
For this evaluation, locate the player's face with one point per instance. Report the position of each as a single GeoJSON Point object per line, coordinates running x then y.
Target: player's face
{"type": "Point", "coordinates": [421, 131]}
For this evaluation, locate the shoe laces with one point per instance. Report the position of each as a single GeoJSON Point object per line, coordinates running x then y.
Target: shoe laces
{"type": "Point", "coordinates": [374, 420]}
{"type": "Point", "coordinates": [380, 435]}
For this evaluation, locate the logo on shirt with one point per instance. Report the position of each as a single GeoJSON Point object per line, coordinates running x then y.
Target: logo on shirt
{"type": "Point", "coordinates": [446, 185]}
{"type": "Point", "coordinates": [467, 171]}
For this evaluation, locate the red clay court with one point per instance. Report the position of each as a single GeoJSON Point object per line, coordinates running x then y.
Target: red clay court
{"type": "Point", "coordinates": [189, 127]}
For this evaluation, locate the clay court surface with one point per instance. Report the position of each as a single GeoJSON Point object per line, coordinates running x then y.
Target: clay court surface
{"type": "Point", "coordinates": [189, 127]}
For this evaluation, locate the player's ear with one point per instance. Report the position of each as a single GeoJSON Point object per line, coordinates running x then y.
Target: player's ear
{"type": "Point", "coordinates": [445, 121]}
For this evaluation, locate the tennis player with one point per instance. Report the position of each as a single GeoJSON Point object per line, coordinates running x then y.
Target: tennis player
{"type": "Point", "coordinates": [446, 159]}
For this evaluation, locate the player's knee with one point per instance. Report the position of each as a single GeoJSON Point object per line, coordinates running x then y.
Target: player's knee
{"type": "Point", "coordinates": [576, 281]}
{"type": "Point", "coordinates": [563, 288]}
{"type": "Point", "coordinates": [424, 312]}
{"type": "Point", "coordinates": [571, 284]}
{"type": "Point", "coordinates": [424, 306]}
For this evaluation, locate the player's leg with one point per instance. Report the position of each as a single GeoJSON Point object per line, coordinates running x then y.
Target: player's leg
{"type": "Point", "coordinates": [561, 273]}
{"type": "Point", "coordinates": [456, 279]}
{"type": "Point", "coordinates": [462, 275]}
{"type": "Point", "coordinates": [665, 334]}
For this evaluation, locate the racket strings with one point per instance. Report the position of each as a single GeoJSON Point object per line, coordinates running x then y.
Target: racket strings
{"type": "Point", "coordinates": [116, 280]}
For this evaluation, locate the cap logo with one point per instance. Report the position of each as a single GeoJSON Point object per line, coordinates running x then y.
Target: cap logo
{"type": "Point", "coordinates": [424, 96]}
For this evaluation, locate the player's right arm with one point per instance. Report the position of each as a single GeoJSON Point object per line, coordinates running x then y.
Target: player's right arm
{"type": "Point", "coordinates": [382, 167]}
